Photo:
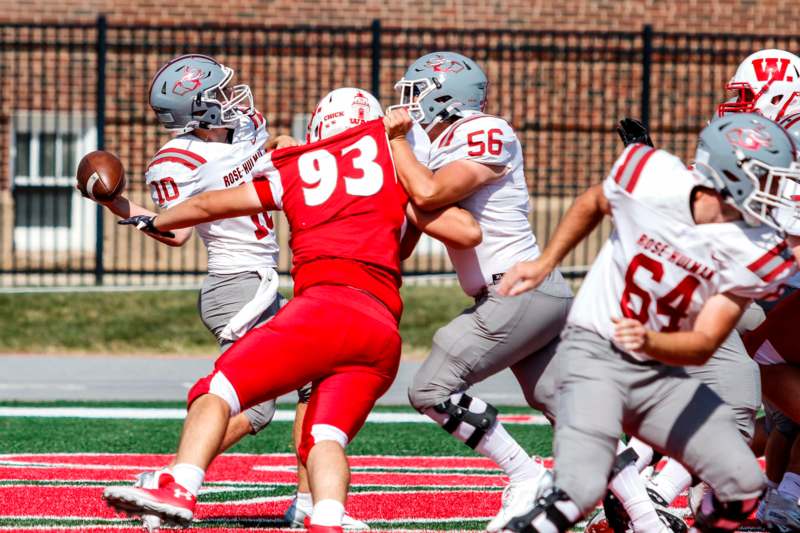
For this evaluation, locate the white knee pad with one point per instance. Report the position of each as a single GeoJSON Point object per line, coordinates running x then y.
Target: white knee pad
{"type": "Point", "coordinates": [321, 432]}
{"type": "Point", "coordinates": [220, 386]}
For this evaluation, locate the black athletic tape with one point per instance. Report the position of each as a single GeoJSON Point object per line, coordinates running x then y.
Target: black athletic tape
{"type": "Point", "coordinates": [452, 412]}
{"type": "Point", "coordinates": [547, 505]}
{"type": "Point", "coordinates": [465, 401]}
{"type": "Point", "coordinates": [657, 456]}
{"type": "Point", "coordinates": [624, 458]}
{"type": "Point", "coordinates": [558, 519]}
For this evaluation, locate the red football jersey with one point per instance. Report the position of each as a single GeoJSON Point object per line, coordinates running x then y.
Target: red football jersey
{"type": "Point", "coordinates": [345, 209]}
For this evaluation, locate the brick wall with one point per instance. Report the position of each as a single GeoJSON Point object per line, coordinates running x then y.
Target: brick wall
{"type": "Point", "coordinates": [563, 92]}
{"type": "Point", "coordinates": [732, 16]}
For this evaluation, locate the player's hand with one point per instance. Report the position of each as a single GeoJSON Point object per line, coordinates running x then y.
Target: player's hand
{"type": "Point", "coordinates": [397, 123]}
{"type": "Point", "coordinates": [145, 223]}
{"type": "Point", "coordinates": [281, 141]}
{"type": "Point", "coordinates": [523, 277]}
{"type": "Point", "coordinates": [631, 131]}
{"type": "Point", "coordinates": [629, 334]}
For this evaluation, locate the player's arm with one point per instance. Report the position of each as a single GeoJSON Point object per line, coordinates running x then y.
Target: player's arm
{"type": "Point", "coordinates": [125, 208]}
{"type": "Point", "coordinates": [209, 206]}
{"type": "Point", "coordinates": [409, 241]}
{"type": "Point", "coordinates": [579, 221]}
{"type": "Point", "coordinates": [714, 323]}
{"type": "Point", "coordinates": [281, 141]}
{"type": "Point", "coordinates": [454, 226]}
{"type": "Point", "coordinates": [433, 190]}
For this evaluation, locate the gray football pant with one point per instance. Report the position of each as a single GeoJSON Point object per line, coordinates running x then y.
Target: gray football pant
{"type": "Point", "coordinates": [494, 334]}
{"type": "Point", "coordinates": [221, 297]}
{"type": "Point", "coordinates": [734, 376]}
{"type": "Point", "coordinates": [603, 392]}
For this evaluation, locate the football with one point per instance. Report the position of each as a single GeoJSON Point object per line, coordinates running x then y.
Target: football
{"type": "Point", "coordinates": [101, 176]}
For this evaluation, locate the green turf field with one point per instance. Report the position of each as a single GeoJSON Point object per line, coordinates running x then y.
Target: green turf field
{"type": "Point", "coordinates": [405, 475]}
{"type": "Point", "coordinates": [125, 322]}
{"type": "Point", "coordinates": [62, 435]}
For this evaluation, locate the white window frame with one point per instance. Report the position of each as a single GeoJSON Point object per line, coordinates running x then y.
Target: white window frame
{"type": "Point", "coordinates": [80, 235]}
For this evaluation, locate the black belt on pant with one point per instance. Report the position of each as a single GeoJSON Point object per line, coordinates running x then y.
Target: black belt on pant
{"type": "Point", "coordinates": [484, 291]}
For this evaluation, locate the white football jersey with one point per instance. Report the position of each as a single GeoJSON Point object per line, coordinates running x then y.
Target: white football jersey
{"type": "Point", "coordinates": [420, 143]}
{"type": "Point", "coordinates": [500, 207]}
{"type": "Point", "coordinates": [658, 266]}
{"type": "Point", "coordinates": [187, 165]}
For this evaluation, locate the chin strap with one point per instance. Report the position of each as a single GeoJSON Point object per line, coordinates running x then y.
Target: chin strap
{"type": "Point", "coordinates": [443, 115]}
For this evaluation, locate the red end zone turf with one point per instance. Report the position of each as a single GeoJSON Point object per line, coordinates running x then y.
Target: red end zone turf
{"type": "Point", "coordinates": [61, 492]}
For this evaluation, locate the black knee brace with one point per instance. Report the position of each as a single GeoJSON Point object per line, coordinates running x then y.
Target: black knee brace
{"type": "Point", "coordinates": [724, 516]}
{"type": "Point", "coordinates": [458, 414]}
{"type": "Point", "coordinates": [624, 458]}
{"type": "Point", "coordinates": [546, 505]}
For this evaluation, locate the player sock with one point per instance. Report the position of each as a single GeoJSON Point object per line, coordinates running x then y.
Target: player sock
{"type": "Point", "coordinates": [644, 451]}
{"type": "Point", "coordinates": [629, 488]}
{"type": "Point", "coordinates": [304, 501]}
{"type": "Point", "coordinates": [501, 448]}
{"type": "Point", "coordinates": [189, 477]}
{"type": "Point", "coordinates": [790, 485]}
{"type": "Point", "coordinates": [327, 513]}
{"type": "Point", "coordinates": [671, 481]}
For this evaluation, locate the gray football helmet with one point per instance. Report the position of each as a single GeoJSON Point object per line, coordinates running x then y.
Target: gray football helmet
{"type": "Point", "coordinates": [190, 92]}
{"type": "Point", "coordinates": [750, 160]}
{"type": "Point", "coordinates": [440, 85]}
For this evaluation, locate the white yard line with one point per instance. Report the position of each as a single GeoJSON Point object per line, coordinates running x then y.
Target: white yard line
{"type": "Point", "coordinates": [282, 415]}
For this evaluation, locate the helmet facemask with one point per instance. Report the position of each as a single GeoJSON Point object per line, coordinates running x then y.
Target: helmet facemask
{"type": "Point", "coordinates": [229, 101]}
{"type": "Point", "coordinates": [744, 101]}
{"type": "Point", "coordinates": [411, 94]}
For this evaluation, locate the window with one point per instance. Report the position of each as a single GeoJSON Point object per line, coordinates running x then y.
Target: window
{"type": "Point", "coordinates": [49, 214]}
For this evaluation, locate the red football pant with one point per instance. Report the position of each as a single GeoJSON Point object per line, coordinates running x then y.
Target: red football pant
{"type": "Point", "coordinates": [341, 339]}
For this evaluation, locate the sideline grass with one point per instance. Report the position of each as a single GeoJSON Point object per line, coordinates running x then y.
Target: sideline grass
{"type": "Point", "coordinates": [165, 322]}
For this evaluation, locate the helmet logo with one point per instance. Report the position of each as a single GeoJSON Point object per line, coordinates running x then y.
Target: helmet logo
{"type": "Point", "coordinates": [771, 69]}
{"type": "Point", "coordinates": [360, 108]}
{"type": "Point", "coordinates": [749, 139]}
{"type": "Point", "coordinates": [189, 81]}
{"type": "Point", "coordinates": [441, 64]}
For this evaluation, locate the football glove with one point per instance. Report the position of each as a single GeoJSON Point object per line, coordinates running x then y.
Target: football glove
{"type": "Point", "coordinates": [631, 131]}
{"type": "Point", "coordinates": [145, 223]}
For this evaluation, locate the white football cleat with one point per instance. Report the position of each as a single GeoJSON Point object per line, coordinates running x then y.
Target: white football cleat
{"type": "Point", "coordinates": [782, 513]}
{"type": "Point", "coordinates": [296, 514]}
{"type": "Point", "coordinates": [519, 498]}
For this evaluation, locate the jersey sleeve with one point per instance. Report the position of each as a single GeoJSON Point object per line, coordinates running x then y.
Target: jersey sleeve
{"type": "Point", "coordinates": [483, 139]}
{"type": "Point", "coordinates": [760, 263]}
{"type": "Point", "coordinates": [653, 178]}
{"type": "Point", "coordinates": [627, 171]}
{"type": "Point", "coordinates": [170, 183]}
{"type": "Point", "coordinates": [420, 144]}
{"type": "Point", "coordinates": [267, 181]}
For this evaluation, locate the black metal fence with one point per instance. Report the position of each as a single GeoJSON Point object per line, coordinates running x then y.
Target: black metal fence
{"type": "Point", "coordinates": [71, 88]}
